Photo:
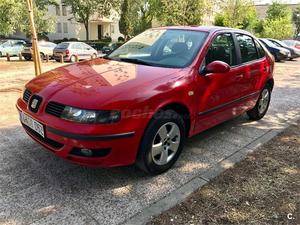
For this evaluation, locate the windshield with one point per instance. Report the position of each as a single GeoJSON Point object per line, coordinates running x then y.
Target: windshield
{"type": "Point", "coordinates": [161, 47]}
{"type": "Point", "coordinates": [283, 44]}
{"type": "Point", "coordinates": [269, 43]}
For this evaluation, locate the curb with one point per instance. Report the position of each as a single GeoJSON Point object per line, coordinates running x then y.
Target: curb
{"type": "Point", "coordinates": [185, 190]}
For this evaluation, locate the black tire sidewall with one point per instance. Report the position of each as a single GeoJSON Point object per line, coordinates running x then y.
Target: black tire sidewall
{"type": "Point", "coordinates": [145, 155]}
{"type": "Point", "coordinates": [72, 59]}
{"type": "Point", "coordinates": [254, 113]}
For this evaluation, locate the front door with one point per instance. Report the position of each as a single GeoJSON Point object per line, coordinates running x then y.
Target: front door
{"type": "Point", "coordinates": [217, 92]}
{"type": "Point", "coordinates": [99, 32]}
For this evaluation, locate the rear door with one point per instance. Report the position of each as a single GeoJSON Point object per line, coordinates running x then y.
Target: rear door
{"type": "Point", "coordinates": [254, 65]}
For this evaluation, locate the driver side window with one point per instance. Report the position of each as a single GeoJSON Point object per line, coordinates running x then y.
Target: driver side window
{"type": "Point", "coordinates": [222, 49]}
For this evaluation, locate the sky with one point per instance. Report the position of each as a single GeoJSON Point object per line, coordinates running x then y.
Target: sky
{"type": "Point", "coordinates": [283, 1]}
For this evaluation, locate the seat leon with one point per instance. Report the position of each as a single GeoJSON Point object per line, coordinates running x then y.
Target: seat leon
{"type": "Point", "coordinates": [140, 103]}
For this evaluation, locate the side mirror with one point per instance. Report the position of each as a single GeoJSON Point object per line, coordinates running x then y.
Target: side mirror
{"type": "Point", "coordinates": [216, 67]}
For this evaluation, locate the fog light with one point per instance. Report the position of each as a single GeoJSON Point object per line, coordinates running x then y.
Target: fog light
{"type": "Point", "coordinates": [86, 152]}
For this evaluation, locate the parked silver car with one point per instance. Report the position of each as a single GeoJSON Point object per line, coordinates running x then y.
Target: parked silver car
{"type": "Point", "coordinates": [45, 48]}
{"type": "Point", "coordinates": [70, 50]}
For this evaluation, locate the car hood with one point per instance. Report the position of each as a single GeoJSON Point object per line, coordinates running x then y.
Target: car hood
{"type": "Point", "coordinates": [97, 83]}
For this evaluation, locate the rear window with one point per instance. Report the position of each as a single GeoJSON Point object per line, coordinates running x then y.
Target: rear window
{"type": "Point", "coordinates": [62, 45]}
{"type": "Point", "coordinates": [247, 47]}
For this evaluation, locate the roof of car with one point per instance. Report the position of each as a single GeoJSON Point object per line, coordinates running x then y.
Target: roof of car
{"type": "Point", "coordinates": [210, 29]}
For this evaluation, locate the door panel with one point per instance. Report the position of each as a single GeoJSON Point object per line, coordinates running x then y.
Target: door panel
{"type": "Point", "coordinates": [218, 92]}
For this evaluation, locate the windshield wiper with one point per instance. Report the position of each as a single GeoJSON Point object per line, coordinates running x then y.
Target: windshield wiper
{"type": "Point", "coordinates": [136, 61]}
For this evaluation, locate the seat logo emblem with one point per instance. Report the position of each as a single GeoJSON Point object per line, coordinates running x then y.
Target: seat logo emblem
{"type": "Point", "coordinates": [34, 103]}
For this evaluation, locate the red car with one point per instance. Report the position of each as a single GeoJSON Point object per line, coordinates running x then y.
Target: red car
{"type": "Point", "coordinates": [141, 102]}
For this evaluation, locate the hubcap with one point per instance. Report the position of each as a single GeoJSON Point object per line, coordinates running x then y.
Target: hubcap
{"type": "Point", "coordinates": [264, 101]}
{"type": "Point", "coordinates": [166, 143]}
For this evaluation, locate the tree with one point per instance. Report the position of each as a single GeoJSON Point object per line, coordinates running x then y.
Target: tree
{"type": "Point", "coordinates": [278, 23]}
{"type": "Point", "coordinates": [83, 10]}
{"type": "Point", "coordinates": [296, 19]}
{"type": "Point", "coordinates": [137, 16]}
{"type": "Point", "coordinates": [183, 12]}
{"type": "Point", "coordinates": [125, 24]}
{"type": "Point", "coordinates": [14, 16]}
{"type": "Point", "coordinates": [237, 14]}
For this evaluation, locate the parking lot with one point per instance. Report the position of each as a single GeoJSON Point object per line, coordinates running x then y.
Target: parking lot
{"type": "Point", "coordinates": [38, 188]}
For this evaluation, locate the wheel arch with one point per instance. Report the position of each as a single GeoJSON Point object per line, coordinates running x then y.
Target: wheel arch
{"type": "Point", "coordinates": [182, 110]}
{"type": "Point", "coordinates": [270, 82]}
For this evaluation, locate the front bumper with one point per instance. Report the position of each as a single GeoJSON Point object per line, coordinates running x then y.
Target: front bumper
{"type": "Point", "coordinates": [112, 148]}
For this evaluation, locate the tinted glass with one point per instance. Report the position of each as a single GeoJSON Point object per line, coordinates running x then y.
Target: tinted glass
{"type": "Point", "coordinates": [162, 47]}
{"type": "Point", "coordinates": [247, 47]}
{"type": "Point", "coordinates": [62, 45]}
{"type": "Point", "coordinates": [222, 49]}
{"type": "Point", "coordinates": [260, 50]}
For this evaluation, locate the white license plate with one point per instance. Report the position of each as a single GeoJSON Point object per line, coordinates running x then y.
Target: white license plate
{"type": "Point", "coordinates": [33, 124]}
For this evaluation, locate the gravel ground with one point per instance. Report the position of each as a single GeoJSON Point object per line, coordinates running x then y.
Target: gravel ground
{"type": "Point", "coordinates": [264, 188]}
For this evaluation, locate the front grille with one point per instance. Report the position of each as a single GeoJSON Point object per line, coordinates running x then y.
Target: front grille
{"type": "Point", "coordinates": [55, 108]}
{"type": "Point", "coordinates": [47, 141]}
{"type": "Point", "coordinates": [26, 95]}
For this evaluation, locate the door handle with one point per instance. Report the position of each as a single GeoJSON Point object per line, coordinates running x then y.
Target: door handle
{"type": "Point", "coordinates": [239, 76]}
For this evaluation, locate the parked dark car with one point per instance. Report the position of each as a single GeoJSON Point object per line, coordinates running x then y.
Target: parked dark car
{"type": "Point", "coordinates": [111, 47]}
{"type": "Point", "coordinates": [295, 53]}
{"type": "Point", "coordinates": [279, 53]}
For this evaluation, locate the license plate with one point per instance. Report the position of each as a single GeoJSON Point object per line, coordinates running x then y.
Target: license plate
{"type": "Point", "coordinates": [32, 123]}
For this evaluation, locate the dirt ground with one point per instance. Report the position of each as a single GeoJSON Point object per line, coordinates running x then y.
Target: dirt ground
{"type": "Point", "coordinates": [262, 189]}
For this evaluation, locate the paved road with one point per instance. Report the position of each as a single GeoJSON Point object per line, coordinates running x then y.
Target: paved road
{"type": "Point", "coordinates": [39, 188]}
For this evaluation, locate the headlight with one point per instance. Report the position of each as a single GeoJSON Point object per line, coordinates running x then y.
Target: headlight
{"type": "Point", "coordinates": [90, 116]}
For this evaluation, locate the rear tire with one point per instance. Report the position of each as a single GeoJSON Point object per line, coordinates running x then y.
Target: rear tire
{"type": "Point", "coordinates": [262, 104]}
{"type": "Point", "coordinates": [162, 142]}
{"type": "Point", "coordinates": [27, 58]}
{"type": "Point", "coordinates": [72, 59]}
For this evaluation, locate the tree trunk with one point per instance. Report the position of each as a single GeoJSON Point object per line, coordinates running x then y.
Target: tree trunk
{"type": "Point", "coordinates": [86, 25]}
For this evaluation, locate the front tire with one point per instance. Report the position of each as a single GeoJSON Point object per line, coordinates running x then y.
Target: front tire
{"type": "Point", "coordinates": [262, 104]}
{"type": "Point", "coordinates": [162, 142]}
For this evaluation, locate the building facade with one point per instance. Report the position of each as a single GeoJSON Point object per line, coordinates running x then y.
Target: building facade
{"type": "Point", "coordinates": [67, 27]}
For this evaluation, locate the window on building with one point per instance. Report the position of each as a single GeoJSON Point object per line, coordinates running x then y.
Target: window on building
{"type": "Point", "coordinates": [57, 8]}
{"type": "Point", "coordinates": [222, 49]}
{"type": "Point", "coordinates": [247, 47]}
{"type": "Point", "coordinates": [65, 27]}
{"type": "Point", "coordinates": [64, 10]}
{"type": "Point", "coordinates": [58, 27]}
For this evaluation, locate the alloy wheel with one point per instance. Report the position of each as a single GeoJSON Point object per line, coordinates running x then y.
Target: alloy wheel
{"type": "Point", "coordinates": [166, 143]}
{"type": "Point", "coordinates": [264, 101]}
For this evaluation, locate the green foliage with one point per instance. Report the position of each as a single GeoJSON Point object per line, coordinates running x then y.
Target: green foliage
{"type": "Point", "coordinates": [125, 25]}
{"type": "Point", "coordinates": [277, 10]}
{"type": "Point", "coordinates": [277, 29]}
{"type": "Point", "coordinates": [278, 23]}
{"type": "Point", "coordinates": [83, 10]}
{"type": "Point", "coordinates": [237, 14]}
{"type": "Point", "coordinates": [183, 12]}
{"type": "Point", "coordinates": [138, 17]}
{"type": "Point", "coordinates": [14, 16]}
{"type": "Point", "coordinates": [296, 19]}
